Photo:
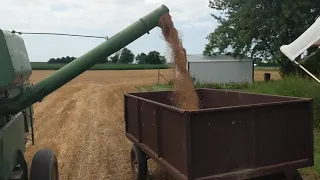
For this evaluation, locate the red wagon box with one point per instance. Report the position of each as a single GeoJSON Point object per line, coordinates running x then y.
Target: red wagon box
{"type": "Point", "coordinates": [234, 135]}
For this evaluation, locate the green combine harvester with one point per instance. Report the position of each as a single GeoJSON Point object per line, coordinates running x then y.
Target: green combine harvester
{"type": "Point", "coordinates": [17, 96]}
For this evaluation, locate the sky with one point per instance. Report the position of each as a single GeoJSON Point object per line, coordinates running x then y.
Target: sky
{"type": "Point", "coordinates": [192, 18]}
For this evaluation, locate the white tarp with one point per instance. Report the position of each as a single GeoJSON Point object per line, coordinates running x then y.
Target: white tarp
{"type": "Point", "coordinates": [311, 37]}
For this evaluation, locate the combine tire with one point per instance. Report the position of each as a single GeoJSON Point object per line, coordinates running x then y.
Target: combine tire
{"type": "Point", "coordinates": [44, 166]}
{"type": "Point", "coordinates": [139, 163]}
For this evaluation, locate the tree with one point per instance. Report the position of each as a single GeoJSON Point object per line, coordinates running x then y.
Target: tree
{"type": "Point", "coordinates": [126, 56]}
{"type": "Point", "coordinates": [63, 60]}
{"type": "Point", "coordinates": [257, 29]}
{"type": "Point", "coordinates": [68, 59]}
{"type": "Point", "coordinates": [58, 60]}
{"type": "Point", "coordinates": [154, 58]}
{"type": "Point", "coordinates": [163, 60]}
{"type": "Point", "coordinates": [51, 60]}
{"type": "Point", "coordinates": [141, 58]}
{"type": "Point", "coordinates": [103, 60]}
{"type": "Point", "coordinates": [115, 58]}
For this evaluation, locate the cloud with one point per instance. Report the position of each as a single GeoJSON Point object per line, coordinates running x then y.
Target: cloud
{"type": "Point", "coordinates": [94, 17]}
{"type": "Point", "coordinates": [61, 15]}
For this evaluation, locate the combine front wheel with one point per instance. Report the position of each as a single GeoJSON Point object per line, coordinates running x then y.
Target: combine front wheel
{"type": "Point", "coordinates": [44, 166]}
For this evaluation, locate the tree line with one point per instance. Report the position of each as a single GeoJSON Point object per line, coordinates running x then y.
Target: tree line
{"type": "Point", "coordinates": [124, 56]}
{"type": "Point", "coordinates": [257, 29]}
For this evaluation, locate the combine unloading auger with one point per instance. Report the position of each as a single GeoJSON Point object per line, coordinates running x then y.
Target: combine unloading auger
{"type": "Point", "coordinates": [17, 95]}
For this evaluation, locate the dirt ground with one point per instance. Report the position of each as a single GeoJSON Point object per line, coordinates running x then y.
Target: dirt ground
{"type": "Point", "coordinates": [83, 123]}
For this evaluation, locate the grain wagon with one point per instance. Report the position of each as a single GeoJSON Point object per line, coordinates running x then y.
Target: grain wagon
{"type": "Point", "coordinates": [234, 135]}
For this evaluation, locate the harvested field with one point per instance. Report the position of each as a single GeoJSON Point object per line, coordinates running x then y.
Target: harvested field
{"type": "Point", "coordinates": [83, 123]}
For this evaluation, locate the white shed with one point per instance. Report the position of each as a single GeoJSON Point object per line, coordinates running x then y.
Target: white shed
{"type": "Point", "coordinates": [220, 69]}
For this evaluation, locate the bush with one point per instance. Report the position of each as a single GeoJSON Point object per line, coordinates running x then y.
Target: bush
{"type": "Point", "coordinates": [243, 85]}
{"type": "Point", "coordinates": [197, 84]}
{"type": "Point", "coordinates": [296, 87]}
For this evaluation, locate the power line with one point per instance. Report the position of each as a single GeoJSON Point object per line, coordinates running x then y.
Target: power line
{"type": "Point", "coordinates": [59, 34]}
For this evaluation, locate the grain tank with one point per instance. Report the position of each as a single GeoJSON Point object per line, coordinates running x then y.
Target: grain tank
{"type": "Point", "coordinates": [17, 96]}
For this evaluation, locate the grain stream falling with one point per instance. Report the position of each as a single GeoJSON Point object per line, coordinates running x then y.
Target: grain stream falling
{"type": "Point", "coordinates": [185, 96]}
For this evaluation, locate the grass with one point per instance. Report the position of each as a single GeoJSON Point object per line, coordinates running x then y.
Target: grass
{"type": "Point", "coordinates": [157, 87]}
{"type": "Point", "coordinates": [266, 68]}
{"type": "Point", "coordinates": [313, 173]}
{"type": "Point", "coordinates": [293, 86]}
{"type": "Point", "coordinates": [168, 86]}
{"type": "Point", "coordinates": [109, 66]}
{"type": "Point", "coordinates": [289, 86]}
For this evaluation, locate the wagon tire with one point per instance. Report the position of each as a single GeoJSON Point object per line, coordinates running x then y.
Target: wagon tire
{"type": "Point", "coordinates": [293, 175]}
{"type": "Point", "coordinates": [139, 163]}
{"type": "Point", "coordinates": [44, 166]}
{"type": "Point", "coordinates": [298, 176]}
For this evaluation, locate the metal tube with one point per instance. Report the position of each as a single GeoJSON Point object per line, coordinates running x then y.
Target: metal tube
{"type": "Point", "coordinates": [83, 63]}
{"type": "Point", "coordinates": [314, 77]}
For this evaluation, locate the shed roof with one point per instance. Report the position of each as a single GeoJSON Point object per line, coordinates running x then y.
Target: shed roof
{"type": "Point", "coordinates": [200, 57]}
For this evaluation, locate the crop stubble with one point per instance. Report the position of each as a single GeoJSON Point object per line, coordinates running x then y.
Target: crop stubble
{"type": "Point", "coordinates": [83, 123]}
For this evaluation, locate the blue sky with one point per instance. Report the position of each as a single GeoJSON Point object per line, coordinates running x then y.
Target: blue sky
{"type": "Point", "coordinates": [101, 18]}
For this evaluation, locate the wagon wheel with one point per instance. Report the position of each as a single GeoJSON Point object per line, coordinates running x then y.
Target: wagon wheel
{"type": "Point", "coordinates": [293, 175]}
{"type": "Point", "coordinates": [297, 175]}
{"type": "Point", "coordinates": [44, 166]}
{"type": "Point", "coordinates": [139, 163]}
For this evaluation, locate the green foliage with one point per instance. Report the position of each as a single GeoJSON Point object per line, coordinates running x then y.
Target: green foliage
{"type": "Point", "coordinates": [61, 60]}
{"type": "Point", "coordinates": [269, 64]}
{"type": "Point", "coordinates": [66, 60]}
{"type": "Point", "coordinates": [170, 82]}
{"type": "Point", "coordinates": [115, 58]}
{"type": "Point", "coordinates": [197, 84]}
{"type": "Point", "coordinates": [293, 86]}
{"type": "Point", "coordinates": [313, 173]}
{"type": "Point", "coordinates": [141, 58]}
{"type": "Point", "coordinates": [257, 29]}
{"type": "Point", "coordinates": [126, 56]}
{"type": "Point", "coordinates": [157, 87]}
{"type": "Point", "coordinates": [243, 85]}
{"type": "Point", "coordinates": [108, 66]}
{"type": "Point", "coordinates": [312, 64]}
{"type": "Point", "coordinates": [153, 57]}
